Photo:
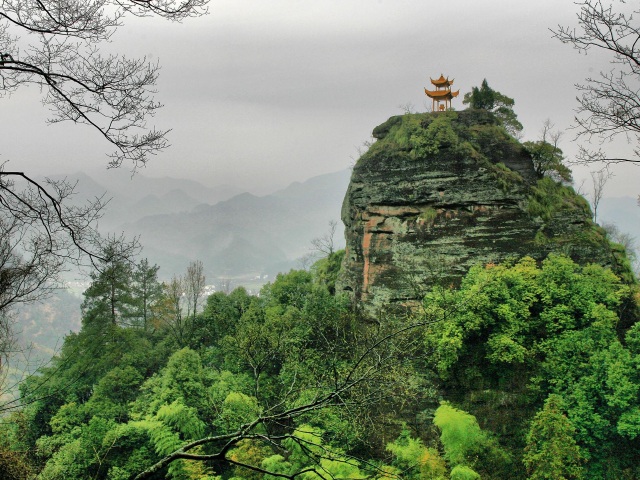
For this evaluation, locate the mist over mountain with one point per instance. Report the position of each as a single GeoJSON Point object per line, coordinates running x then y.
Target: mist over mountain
{"type": "Point", "coordinates": [246, 235]}
{"type": "Point", "coordinates": [131, 197]}
{"type": "Point", "coordinates": [237, 235]}
{"type": "Point", "coordinates": [44, 323]}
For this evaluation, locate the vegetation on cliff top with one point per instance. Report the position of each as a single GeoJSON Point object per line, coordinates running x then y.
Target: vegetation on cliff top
{"type": "Point", "coordinates": [423, 135]}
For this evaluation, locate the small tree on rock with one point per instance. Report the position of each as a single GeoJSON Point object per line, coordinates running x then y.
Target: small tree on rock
{"type": "Point", "coordinates": [547, 157]}
{"type": "Point", "coordinates": [485, 98]}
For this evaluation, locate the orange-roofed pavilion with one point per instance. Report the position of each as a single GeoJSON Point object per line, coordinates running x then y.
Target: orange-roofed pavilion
{"type": "Point", "coordinates": [441, 97]}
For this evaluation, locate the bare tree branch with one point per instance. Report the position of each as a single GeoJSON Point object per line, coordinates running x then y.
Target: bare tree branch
{"type": "Point", "coordinates": [609, 105]}
{"type": "Point", "coordinates": [55, 45]}
{"type": "Point", "coordinates": [599, 180]}
{"type": "Point", "coordinates": [194, 283]}
{"type": "Point", "coordinates": [325, 243]}
{"type": "Point", "coordinates": [40, 232]}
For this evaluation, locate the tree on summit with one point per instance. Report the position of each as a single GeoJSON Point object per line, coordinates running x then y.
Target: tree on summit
{"type": "Point", "coordinates": [481, 98]}
{"type": "Point", "coordinates": [500, 105]}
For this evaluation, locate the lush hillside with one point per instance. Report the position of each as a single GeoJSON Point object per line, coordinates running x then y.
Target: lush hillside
{"type": "Point", "coordinates": [516, 366]}
{"type": "Point", "coordinates": [525, 371]}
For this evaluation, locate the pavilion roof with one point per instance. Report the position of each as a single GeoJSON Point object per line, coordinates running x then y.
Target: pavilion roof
{"type": "Point", "coordinates": [441, 94]}
{"type": "Point", "coordinates": [441, 82]}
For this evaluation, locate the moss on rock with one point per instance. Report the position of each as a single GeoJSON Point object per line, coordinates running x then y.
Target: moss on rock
{"type": "Point", "coordinates": [440, 192]}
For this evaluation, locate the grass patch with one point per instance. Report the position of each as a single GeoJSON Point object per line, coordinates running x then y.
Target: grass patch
{"type": "Point", "coordinates": [428, 215]}
{"type": "Point", "coordinates": [549, 197]}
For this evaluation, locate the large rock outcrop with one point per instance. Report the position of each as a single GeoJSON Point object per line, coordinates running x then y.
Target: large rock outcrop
{"type": "Point", "coordinates": [440, 192]}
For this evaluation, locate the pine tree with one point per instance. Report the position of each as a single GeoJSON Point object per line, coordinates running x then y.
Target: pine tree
{"type": "Point", "coordinates": [146, 291]}
{"type": "Point", "coordinates": [551, 451]}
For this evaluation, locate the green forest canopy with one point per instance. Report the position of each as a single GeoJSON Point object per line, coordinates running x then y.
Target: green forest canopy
{"type": "Point", "coordinates": [520, 366]}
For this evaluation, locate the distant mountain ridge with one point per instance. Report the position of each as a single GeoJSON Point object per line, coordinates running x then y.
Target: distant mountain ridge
{"type": "Point", "coordinates": [246, 234]}
{"type": "Point", "coordinates": [235, 234]}
{"type": "Point", "coordinates": [134, 196]}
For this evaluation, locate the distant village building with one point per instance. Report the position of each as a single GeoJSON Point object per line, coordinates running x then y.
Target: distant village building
{"type": "Point", "coordinates": [442, 95]}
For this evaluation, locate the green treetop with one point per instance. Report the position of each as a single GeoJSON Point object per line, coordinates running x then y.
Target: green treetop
{"type": "Point", "coordinates": [485, 98]}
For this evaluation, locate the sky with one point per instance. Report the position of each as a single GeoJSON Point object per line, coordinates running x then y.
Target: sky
{"type": "Point", "coordinates": [259, 94]}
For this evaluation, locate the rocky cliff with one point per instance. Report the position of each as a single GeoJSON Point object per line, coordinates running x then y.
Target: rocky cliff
{"type": "Point", "coordinates": [440, 192]}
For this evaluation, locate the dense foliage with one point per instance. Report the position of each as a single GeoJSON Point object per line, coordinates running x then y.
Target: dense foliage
{"type": "Point", "coordinates": [525, 371]}
{"type": "Point", "coordinates": [486, 98]}
{"type": "Point", "coordinates": [559, 339]}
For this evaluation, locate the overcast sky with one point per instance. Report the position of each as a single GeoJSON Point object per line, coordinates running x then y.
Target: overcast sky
{"type": "Point", "coordinates": [262, 93]}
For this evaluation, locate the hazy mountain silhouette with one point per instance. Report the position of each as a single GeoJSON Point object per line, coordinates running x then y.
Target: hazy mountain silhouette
{"type": "Point", "coordinates": [246, 234]}
{"type": "Point", "coordinates": [234, 234]}
{"type": "Point", "coordinates": [132, 197]}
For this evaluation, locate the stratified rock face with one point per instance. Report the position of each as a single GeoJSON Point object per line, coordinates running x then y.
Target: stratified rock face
{"type": "Point", "coordinates": [440, 192]}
